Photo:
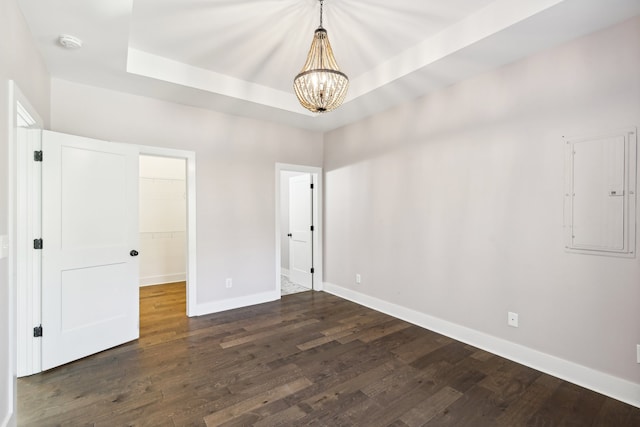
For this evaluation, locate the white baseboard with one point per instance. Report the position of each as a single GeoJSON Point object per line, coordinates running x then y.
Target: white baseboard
{"type": "Point", "coordinates": [617, 388]}
{"type": "Point", "coordinates": [231, 303]}
{"type": "Point", "coordinates": [162, 279]}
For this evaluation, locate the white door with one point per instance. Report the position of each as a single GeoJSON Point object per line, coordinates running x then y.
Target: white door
{"type": "Point", "coordinates": [300, 235]}
{"type": "Point", "coordinates": [89, 228]}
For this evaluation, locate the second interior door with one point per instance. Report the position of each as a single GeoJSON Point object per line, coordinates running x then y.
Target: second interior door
{"type": "Point", "coordinates": [300, 223]}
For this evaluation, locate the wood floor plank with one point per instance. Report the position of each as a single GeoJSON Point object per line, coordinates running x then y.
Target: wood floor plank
{"type": "Point", "coordinates": [324, 339]}
{"type": "Point", "coordinates": [615, 413]}
{"type": "Point", "coordinates": [427, 410]}
{"type": "Point", "coordinates": [402, 380]}
{"type": "Point", "coordinates": [310, 359]}
{"type": "Point", "coordinates": [255, 401]}
{"type": "Point", "coordinates": [357, 383]}
{"type": "Point", "coordinates": [478, 407]}
{"type": "Point", "coordinates": [234, 340]}
{"type": "Point", "coordinates": [535, 395]}
{"type": "Point", "coordinates": [287, 417]}
{"type": "Point", "coordinates": [392, 410]}
{"type": "Point", "coordinates": [419, 347]}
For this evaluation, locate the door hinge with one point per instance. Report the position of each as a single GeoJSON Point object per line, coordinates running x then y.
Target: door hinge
{"type": "Point", "coordinates": [37, 243]}
{"type": "Point", "coordinates": [37, 156]}
{"type": "Point", "coordinates": [312, 228]}
{"type": "Point", "coordinates": [37, 331]}
{"type": "Point", "coordinates": [312, 270]}
{"type": "Point", "coordinates": [312, 185]}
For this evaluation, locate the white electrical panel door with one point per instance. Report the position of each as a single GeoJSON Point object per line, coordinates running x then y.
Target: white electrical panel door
{"type": "Point", "coordinates": [600, 194]}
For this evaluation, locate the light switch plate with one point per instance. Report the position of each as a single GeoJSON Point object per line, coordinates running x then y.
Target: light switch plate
{"type": "Point", "coordinates": [4, 246]}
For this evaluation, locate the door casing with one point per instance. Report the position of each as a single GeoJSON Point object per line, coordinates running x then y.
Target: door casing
{"type": "Point", "coordinates": [316, 173]}
{"type": "Point", "coordinates": [24, 222]}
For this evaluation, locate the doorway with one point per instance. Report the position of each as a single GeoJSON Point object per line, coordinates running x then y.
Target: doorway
{"type": "Point", "coordinates": [163, 220]}
{"type": "Point", "coordinates": [188, 159]}
{"type": "Point", "coordinates": [298, 228]}
{"type": "Point", "coordinates": [30, 347]}
{"type": "Point", "coordinates": [296, 200]}
{"type": "Point", "coordinates": [163, 240]}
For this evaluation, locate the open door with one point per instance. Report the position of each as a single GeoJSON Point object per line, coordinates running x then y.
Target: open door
{"type": "Point", "coordinates": [300, 232]}
{"type": "Point", "coordinates": [90, 237]}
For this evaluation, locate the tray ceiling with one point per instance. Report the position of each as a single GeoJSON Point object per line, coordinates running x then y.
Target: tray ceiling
{"type": "Point", "coordinates": [240, 56]}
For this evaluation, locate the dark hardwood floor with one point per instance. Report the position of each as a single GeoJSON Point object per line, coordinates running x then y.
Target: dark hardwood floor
{"type": "Point", "coordinates": [309, 359]}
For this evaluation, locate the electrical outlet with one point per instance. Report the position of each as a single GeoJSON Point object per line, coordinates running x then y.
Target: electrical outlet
{"type": "Point", "coordinates": [358, 279]}
{"type": "Point", "coordinates": [638, 353]}
{"type": "Point", "coordinates": [229, 282]}
{"type": "Point", "coordinates": [512, 319]}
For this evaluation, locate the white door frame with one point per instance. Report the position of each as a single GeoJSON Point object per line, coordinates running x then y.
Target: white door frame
{"type": "Point", "coordinates": [316, 174]}
{"type": "Point", "coordinates": [190, 158]}
{"type": "Point", "coordinates": [24, 223]}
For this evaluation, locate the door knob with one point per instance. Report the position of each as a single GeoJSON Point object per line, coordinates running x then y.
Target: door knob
{"type": "Point", "coordinates": [133, 253]}
{"type": "Point", "coordinates": [290, 235]}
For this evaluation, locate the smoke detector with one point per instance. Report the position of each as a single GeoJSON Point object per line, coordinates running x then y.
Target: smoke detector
{"type": "Point", "coordinates": [69, 42]}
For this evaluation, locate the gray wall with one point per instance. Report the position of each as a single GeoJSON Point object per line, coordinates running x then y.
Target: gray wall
{"type": "Point", "coordinates": [19, 61]}
{"type": "Point", "coordinates": [452, 205]}
{"type": "Point", "coordinates": [235, 173]}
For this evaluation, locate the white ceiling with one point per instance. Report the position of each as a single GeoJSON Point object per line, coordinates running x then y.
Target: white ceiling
{"type": "Point", "coordinates": [240, 56]}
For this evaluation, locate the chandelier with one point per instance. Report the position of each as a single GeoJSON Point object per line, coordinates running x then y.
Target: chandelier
{"type": "Point", "coordinates": [321, 86]}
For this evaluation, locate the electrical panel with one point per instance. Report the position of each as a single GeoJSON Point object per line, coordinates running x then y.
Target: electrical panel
{"type": "Point", "coordinates": [600, 194]}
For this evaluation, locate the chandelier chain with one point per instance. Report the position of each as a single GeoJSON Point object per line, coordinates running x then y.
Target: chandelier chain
{"type": "Point", "coordinates": [321, 3]}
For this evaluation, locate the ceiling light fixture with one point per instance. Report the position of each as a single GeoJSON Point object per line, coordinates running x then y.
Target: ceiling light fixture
{"type": "Point", "coordinates": [321, 86]}
{"type": "Point", "coordinates": [69, 42]}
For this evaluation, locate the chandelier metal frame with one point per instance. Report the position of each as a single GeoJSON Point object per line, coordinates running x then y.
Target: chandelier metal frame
{"type": "Point", "coordinates": [321, 86]}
